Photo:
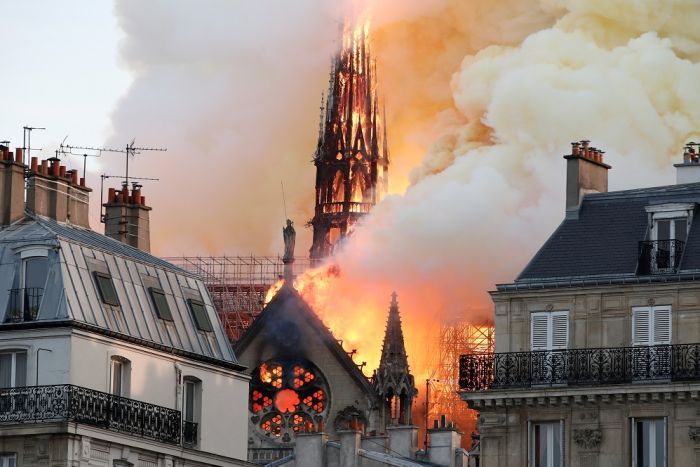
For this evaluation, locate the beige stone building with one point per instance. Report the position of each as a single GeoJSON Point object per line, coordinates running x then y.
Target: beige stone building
{"type": "Point", "coordinates": [597, 357]}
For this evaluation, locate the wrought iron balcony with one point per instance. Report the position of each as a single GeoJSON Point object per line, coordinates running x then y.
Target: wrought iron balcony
{"type": "Point", "coordinates": [37, 404]}
{"type": "Point", "coordinates": [189, 433]}
{"type": "Point", "coordinates": [660, 257]}
{"type": "Point", "coordinates": [579, 367]}
{"type": "Point", "coordinates": [24, 304]}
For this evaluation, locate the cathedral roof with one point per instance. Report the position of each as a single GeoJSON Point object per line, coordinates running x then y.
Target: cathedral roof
{"type": "Point", "coordinates": [287, 305]}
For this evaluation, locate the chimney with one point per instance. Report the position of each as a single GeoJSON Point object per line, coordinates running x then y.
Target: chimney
{"type": "Point", "coordinates": [11, 186]}
{"type": "Point", "coordinates": [127, 217]}
{"type": "Point", "coordinates": [585, 173]}
{"type": "Point", "coordinates": [689, 170]}
{"type": "Point", "coordinates": [310, 449]}
{"type": "Point", "coordinates": [445, 441]}
{"type": "Point", "coordinates": [54, 192]}
{"type": "Point", "coordinates": [403, 440]}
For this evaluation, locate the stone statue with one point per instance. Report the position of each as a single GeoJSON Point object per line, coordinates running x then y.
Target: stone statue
{"type": "Point", "coordinates": [289, 235]}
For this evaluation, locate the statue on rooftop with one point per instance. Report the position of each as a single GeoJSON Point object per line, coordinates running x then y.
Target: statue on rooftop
{"type": "Point", "coordinates": [289, 235]}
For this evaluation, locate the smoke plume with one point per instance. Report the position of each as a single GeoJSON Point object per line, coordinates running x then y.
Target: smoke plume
{"type": "Point", "coordinates": [483, 99]}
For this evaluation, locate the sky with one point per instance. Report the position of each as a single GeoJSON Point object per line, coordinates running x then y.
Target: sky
{"type": "Point", "coordinates": [62, 73]}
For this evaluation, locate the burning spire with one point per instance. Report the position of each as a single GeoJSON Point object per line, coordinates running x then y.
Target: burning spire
{"type": "Point", "coordinates": [393, 380]}
{"type": "Point", "coordinates": [352, 157]}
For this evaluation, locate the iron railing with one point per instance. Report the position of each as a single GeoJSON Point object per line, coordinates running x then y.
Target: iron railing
{"type": "Point", "coordinates": [268, 455]}
{"type": "Point", "coordinates": [189, 433]}
{"type": "Point", "coordinates": [35, 404]}
{"type": "Point", "coordinates": [574, 367]}
{"type": "Point", "coordinates": [24, 304]}
{"type": "Point", "coordinates": [660, 256]}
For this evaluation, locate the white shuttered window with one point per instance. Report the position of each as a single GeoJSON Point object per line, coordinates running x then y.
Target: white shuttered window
{"type": "Point", "coordinates": [550, 330]}
{"type": "Point", "coordinates": [651, 325]}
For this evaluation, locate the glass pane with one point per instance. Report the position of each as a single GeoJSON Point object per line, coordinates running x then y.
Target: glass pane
{"type": "Point", "coordinates": [5, 370]}
{"type": "Point", "coordinates": [664, 230]}
{"type": "Point", "coordinates": [116, 377]}
{"type": "Point", "coordinates": [20, 369]}
{"type": "Point", "coordinates": [199, 314]}
{"type": "Point", "coordinates": [35, 272]}
{"type": "Point", "coordinates": [659, 442]}
{"type": "Point", "coordinates": [681, 228]}
{"type": "Point", "coordinates": [107, 291]}
{"type": "Point", "coordinates": [556, 444]}
{"type": "Point", "coordinates": [161, 304]}
{"type": "Point", "coordinates": [11, 461]}
{"type": "Point", "coordinates": [189, 401]}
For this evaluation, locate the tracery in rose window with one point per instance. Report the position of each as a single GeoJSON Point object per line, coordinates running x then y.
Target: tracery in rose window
{"type": "Point", "coordinates": [287, 397]}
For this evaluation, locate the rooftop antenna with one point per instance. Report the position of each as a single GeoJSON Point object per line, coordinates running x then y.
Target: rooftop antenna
{"type": "Point", "coordinates": [70, 150]}
{"type": "Point", "coordinates": [104, 177]}
{"type": "Point", "coordinates": [27, 142]}
{"type": "Point", "coordinates": [132, 150]}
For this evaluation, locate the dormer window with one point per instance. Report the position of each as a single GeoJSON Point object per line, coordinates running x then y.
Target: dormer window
{"type": "Point", "coordinates": [160, 302]}
{"type": "Point", "coordinates": [26, 300]}
{"type": "Point", "coordinates": [105, 286]}
{"type": "Point", "coordinates": [669, 225]}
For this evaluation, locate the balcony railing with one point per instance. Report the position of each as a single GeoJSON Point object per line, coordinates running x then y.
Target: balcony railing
{"type": "Point", "coordinates": [580, 367]}
{"type": "Point", "coordinates": [660, 257]}
{"type": "Point", "coordinates": [24, 304]}
{"type": "Point", "coordinates": [189, 433]}
{"type": "Point", "coordinates": [268, 455]}
{"type": "Point", "coordinates": [70, 403]}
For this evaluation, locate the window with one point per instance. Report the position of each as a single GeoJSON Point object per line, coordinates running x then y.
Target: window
{"type": "Point", "coordinates": [651, 325]}
{"type": "Point", "coordinates": [550, 330]}
{"type": "Point", "coordinates": [13, 369]}
{"type": "Point", "coordinates": [546, 448]}
{"type": "Point", "coordinates": [160, 302]}
{"type": "Point", "coordinates": [8, 460]}
{"type": "Point", "coordinates": [191, 406]}
{"type": "Point", "coordinates": [648, 442]}
{"type": "Point", "coordinates": [199, 313]}
{"type": "Point", "coordinates": [120, 373]}
{"type": "Point", "coordinates": [105, 285]}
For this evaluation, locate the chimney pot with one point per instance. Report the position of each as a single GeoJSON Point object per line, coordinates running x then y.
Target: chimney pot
{"type": "Point", "coordinates": [575, 149]}
{"type": "Point", "coordinates": [45, 167]}
{"type": "Point", "coordinates": [18, 156]}
{"type": "Point", "coordinates": [111, 196]}
{"type": "Point", "coordinates": [143, 200]}
{"type": "Point", "coordinates": [35, 164]}
{"type": "Point", "coordinates": [74, 177]}
{"type": "Point", "coordinates": [62, 171]}
{"type": "Point", "coordinates": [125, 195]}
{"type": "Point", "coordinates": [136, 196]}
{"type": "Point", "coordinates": [55, 168]}
{"type": "Point", "coordinates": [82, 181]}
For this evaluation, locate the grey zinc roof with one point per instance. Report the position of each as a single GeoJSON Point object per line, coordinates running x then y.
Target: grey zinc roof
{"type": "Point", "coordinates": [71, 294]}
{"type": "Point", "coordinates": [604, 241]}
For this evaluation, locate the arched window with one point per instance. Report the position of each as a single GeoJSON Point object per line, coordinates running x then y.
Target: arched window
{"type": "Point", "coordinates": [287, 397]}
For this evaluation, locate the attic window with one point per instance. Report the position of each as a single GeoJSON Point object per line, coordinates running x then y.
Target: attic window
{"type": "Point", "coordinates": [669, 225]}
{"type": "Point", "coordinates": [199, 314]}
{"type": "Point", "coordinates": [160, 302]}
{"type": "Point", "coordinates": [105, 285]}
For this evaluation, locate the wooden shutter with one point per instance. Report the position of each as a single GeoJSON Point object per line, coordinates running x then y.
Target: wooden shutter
{"type": "Point", "coordinates": [641, 326]}
{"type": "Point", "coordinates": [661, 325]}
{"type": "Point", "coordinates": [540, 331]}
{"type": "Point", "coordinates": [560, 330]}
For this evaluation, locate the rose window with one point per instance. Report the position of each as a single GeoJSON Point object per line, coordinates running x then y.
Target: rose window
{"type": "Point", "coordinates": [287, 397]}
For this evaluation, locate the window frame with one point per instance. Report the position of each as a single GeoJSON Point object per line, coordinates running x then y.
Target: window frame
{"type": "Point", "coordinates": [13, 367]}
{"type": "Point", "coordinates": [5, 459]}
{"type": "Point", "coordinates": [531, 441]}
{"type": "Point", "coordinates": [195, 407]}
{"type": "Point", "coordinates": [205, 326]}
{"type": "Point", "coordinates": [550, 316]}
{"type": "Point", "coordinates": [106, 300]}
{"type": "Point", "coordinates": [633, 437]}
{"type": "Point", "coordinates": [652, 310]}
{"type": "Point", "coordinates": [124, 365]}
{"type": "Point", "coordinates": [168, 315]}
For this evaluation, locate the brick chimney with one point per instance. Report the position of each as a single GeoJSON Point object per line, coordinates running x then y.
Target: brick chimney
{"type": "Point", "coordinates": [56, 193]}
{"type": "Point", "coordinates": [127, 217]}
{"type": "Point", "coordinates": [11, 186]}
{"type": "Point", "coordinates": [689, 170]}
{"type": "Point", "coordinates": [585, 173]}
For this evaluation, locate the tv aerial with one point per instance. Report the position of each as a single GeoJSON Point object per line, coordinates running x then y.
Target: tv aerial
{"type": "Point", "coordinates": [27, 142]}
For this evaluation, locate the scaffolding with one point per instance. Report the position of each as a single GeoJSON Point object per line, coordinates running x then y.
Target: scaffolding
{"type": "Point", "coordinates": [456, 338]}
{"type": "Point", "coordinates": [238, 284]}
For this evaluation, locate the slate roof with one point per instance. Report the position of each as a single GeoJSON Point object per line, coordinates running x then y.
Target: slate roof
{"type": "Point", "coordinates": [71, 295]}
{"type": "Point", "coordinates": [603, 242]}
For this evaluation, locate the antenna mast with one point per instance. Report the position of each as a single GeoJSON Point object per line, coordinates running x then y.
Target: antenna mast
{"type": "Point", "coordinates": [27, 142]}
